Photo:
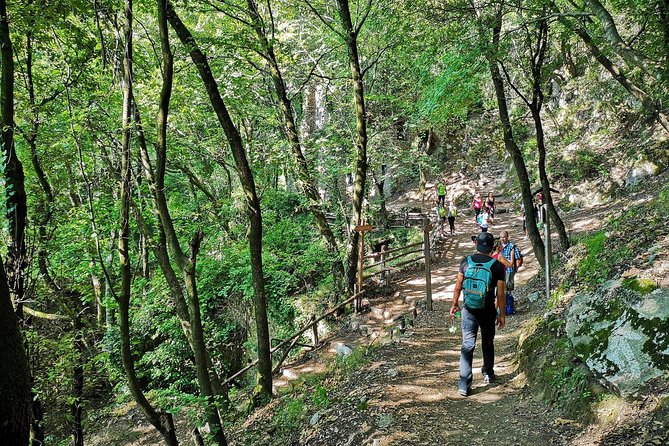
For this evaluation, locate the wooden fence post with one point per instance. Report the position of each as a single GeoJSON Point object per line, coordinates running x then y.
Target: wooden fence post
{"type": "Point", "coordinates": [428, 263]}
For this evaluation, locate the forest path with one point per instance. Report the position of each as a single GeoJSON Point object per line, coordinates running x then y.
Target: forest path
{"type": "Point", "coordinates": [408, 394]}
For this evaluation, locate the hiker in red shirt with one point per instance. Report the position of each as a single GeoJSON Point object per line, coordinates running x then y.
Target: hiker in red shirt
{"type": "Point", "coordinates": [477, 204]}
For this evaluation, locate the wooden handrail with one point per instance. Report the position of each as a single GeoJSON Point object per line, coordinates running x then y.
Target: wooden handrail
{"type": "Point", "coordinates": [296, 335]}
{"type": "Point", "coordinates": [399, 256]}
{"type": "Point", "coordinates": [388, 251]}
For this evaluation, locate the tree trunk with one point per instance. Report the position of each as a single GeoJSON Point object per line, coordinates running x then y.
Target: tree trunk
{"type": "Point", "coordinates": [512, 147]}
{"type": "Point", "coordinates": [76, 409]}
{"type": "Point", "coordinates": [15, 194]}
{"type": "Point", "coordinates": [535, 106]}
{"type": "Point", "coordinates": [631, 56]}
{"type": "Point", "coordinates": [649, 104]}
{"type": "Point", "coordinates": [15, 407]}
{"type": "Point", "coordinates": [360, 183]}
{"type": "Point", "coordinates": [15, 402]}
{"type": "Point", "coordinates": [305, 179]}
{"type": "Point", "coordinates": [99, 292]}
{"type": "Point", "coordinates": [545, 183]}
{"type": "Point", "coordinates": [252, 201]}
{"type": "Point", "coordinates": [44, 211]}
{"type": "Point", "coordinates": [161, 421]}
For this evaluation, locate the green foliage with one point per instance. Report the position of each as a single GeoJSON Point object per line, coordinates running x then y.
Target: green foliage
{"type": "Point", "coordinates": [547, 358]}
{"type": "Point", "coordinates": [594, 268]}
{"type": "Point", "coordinates": [582, 165]}
{"type": "Point", "coordinates": [455, 90]}
{"type": "Point", "coordinates": [356, 359]}
{"type": "Point", "coordinates": [600, 259]}
{"type": "Point", "coordinates": [320, 397]}
{"type": "Point", "coordinates": [290, 416]}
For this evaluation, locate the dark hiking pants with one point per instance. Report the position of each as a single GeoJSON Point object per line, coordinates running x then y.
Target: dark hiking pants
{"type": "Point", "coordinates": [472, 320]}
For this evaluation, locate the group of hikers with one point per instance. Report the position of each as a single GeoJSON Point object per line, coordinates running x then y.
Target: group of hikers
{"type": "Point", "coordinates": [482, 296]}
{"type": "Point", "coordinates": [483, 211]}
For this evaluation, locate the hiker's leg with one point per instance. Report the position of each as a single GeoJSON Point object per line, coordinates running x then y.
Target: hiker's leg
{"type": "Point", "coordinates": [487, 345]}
{"type": "Point", "coordinates": [469, 329]}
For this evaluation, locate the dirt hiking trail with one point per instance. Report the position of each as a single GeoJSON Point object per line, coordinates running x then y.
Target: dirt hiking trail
{"type": "Point", "coordinates": [408, 394]}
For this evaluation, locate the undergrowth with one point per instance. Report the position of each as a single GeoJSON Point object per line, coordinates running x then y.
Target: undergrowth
{"type": "Point", "coordinates": [308, 394]}
{"type": "Point", "coordinates": [563, 381]}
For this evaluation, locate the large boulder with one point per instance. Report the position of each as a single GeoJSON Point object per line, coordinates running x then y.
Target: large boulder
{"type": "Point", "coordinates": [622, 335]}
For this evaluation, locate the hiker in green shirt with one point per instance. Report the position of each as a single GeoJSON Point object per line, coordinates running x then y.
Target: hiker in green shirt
{"type": "Point", "coordinates": [451, 214]}
{"type": "Point", "coordinates": [441, 193]}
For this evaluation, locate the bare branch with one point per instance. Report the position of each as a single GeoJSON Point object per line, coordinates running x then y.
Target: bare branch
{"type": "Point", "coordinates": [368, 8]}
{"type": "Point", "coordinates": [322, 19]}
{"type": "Point", "coordinates": [376, 60]}
{"type": "Point", "coordinates": [513, 87]}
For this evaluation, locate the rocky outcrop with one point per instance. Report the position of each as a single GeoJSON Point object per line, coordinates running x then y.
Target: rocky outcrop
{"type": "Point", "coordinates": [622, 335]}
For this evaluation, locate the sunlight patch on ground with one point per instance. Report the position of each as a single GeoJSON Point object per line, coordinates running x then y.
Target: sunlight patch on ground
{"type": "Point", "coordinates": [410, 393]}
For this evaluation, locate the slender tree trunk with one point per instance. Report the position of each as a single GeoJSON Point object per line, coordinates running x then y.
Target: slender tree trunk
{"type": "Point", "coordinates": [512, 147]}
{"type": "Point", "coordinates": [252, 202]}
{"type": "Point", "coordinates": [161, 421]}
{"type": "Point", "coordinates": [360, 182]}
{"type": "Point", "coordinates": [188, 310]}
{"type": "Point", "coordinates": [535, 106]}
{"type": "Point", "coordinates": [545, 183]}
{"type": "Point", "coordinates": [45, 211]}
{"type": "Point", "coordinates": [649, 103]}
{"type": "Point", "coordinates": [305, 179]}
{"type": "Point", "coordinates": [98, 292]}
{"type": "Point", "coordinates": [631, 56]}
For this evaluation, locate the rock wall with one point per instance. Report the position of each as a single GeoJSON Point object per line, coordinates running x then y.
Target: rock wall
{"type": "Point", "coordinates": [622, 335]}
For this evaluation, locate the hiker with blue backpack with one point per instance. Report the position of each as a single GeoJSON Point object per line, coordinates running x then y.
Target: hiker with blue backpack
{"type": "Point", "coordinates": [512, 253]}
{"type": "Point", "coordinates": [481, 281]}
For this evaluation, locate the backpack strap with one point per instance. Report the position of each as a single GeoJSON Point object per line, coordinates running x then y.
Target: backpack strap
{"type": "Point", "coordinates": [490, 264]}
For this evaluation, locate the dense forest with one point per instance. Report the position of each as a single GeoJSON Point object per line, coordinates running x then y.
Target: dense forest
{"type": "Point", "coordinates": [182, 179]}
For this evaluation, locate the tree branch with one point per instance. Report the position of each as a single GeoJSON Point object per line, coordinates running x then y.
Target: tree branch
{"type": "Point", "coordinates": [322, 19]}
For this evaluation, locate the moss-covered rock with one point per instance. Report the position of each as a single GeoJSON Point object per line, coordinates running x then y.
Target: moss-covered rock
{"type": "Point", "coordinates": [621, 334]}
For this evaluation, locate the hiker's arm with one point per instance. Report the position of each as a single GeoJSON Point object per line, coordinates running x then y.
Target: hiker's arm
{"type": "Point", "coordinates": [503, 260]}
{"type": "Point", "coordinates": [456, 294]}
{"type": "Point", "coordinates": [501, 304]}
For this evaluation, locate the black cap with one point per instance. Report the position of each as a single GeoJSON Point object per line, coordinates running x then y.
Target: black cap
{"type": "Point", "coordinates": [484, 242]}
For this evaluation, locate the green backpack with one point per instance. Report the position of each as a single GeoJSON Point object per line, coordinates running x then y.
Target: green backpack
{"type": "Point", "coordinates": [477, 283]}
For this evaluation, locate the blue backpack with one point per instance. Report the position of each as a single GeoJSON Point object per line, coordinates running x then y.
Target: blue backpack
{"type": "Point", "coordinates": [477, 283]}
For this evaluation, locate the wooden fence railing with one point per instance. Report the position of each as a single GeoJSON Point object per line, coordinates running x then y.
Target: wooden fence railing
{"type": "Point", "coordinates": [387, 261]}
{"type": "Point", "coordinates": [292, 341]}
{"type": "Point", "coordinates": [395, 220]}
{"type": "Point", "coordinates": [384, 265]}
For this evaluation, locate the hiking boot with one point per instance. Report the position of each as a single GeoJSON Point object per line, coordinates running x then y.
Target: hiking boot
{"type": "Point", "coordinates": [463, 392]}
{"type": "Point", "coordinates": [487, 379]}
